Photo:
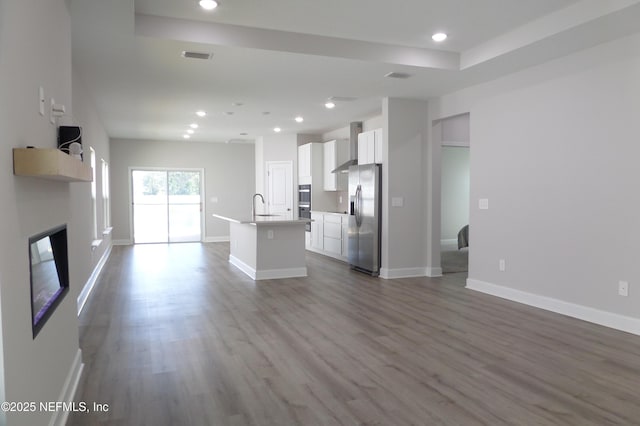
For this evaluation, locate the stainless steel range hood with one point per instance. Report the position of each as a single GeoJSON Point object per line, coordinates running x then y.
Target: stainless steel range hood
{"type": "Point", "coordinates": [355, 128]}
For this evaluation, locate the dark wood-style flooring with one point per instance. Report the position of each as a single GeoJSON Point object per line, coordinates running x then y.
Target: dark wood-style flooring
{"type": "Point", "coordinates": [174, 335]}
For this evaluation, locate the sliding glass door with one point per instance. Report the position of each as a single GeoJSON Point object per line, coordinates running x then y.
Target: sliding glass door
{"type": "Point", "coordinates": [167, 206]}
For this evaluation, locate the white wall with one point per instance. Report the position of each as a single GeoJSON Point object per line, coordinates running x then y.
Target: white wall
{"type": "Point", "coordinates": [35, 50]}
{"type": "Point", "coordinates": [455, 190]}
{"type": "Point", "coordinates": [228, 169]}
{"type": "Point", "coordinates": [555, 151]}
{"type": "Point", "coordinates": [403, 176]}
{"type": "Point", "coordinates": [94, 135]}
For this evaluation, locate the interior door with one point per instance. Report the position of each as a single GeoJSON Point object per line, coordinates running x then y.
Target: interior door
{"type": "Point", "coordinates": [280, 187]}
{"type": "Point", "coordinates": [167, 206]}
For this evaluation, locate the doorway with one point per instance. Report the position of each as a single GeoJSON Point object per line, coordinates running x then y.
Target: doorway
{"type": "Point", "coordinates": [166, 205]}
{"type": "Point", "coordinates": [453, 137]}
{"type": "Point", "coordinates": [280, 187]}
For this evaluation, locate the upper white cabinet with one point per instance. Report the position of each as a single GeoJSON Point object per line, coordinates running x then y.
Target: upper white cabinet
{"type": "Point", "coordinates": [370, 147]}
{"type": "Point", "coordinates": [304, 164]}
{"type": "Point", "coordinates": [336, 152]}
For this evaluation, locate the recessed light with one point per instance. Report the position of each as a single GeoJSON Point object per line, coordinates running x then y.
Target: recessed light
{"type": "Point", "coordinates": [243, 134]}
{"type": "Point", "coordinates": [193, 125]}
{"type": "Point", "coordinates": [439, 37]}
{"type": "Point", "coordinates": [277, 129]}
{"type": "Point", "coordinates": [208, 4]}
{"type": "Point", "coordinates": [201, 113]}
{"type": "Point", "coordinates": [190, 131]}
{"type": "Point", "coordinates": [299, 119]}
{"type": "Point", "coordinates": [394, 74]}
{"type": "Point", "coordinates": [329, 105]}
{"type": "Point", "coordinates": [228, 113]}
{"type": "Point", "coordinates": [237, 104]}
{"type": "Point", "coordinates": [186, 136]}
{"type": "Point", "coordinates": [266, 112]}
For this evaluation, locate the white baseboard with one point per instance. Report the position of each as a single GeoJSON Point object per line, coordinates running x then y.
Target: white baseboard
{"type": "Point", "coordinates": [216, 239]}
{"type": "Point", "coordinates": [433, 272]}
{"type": "Point", "coordinates": [389, 274]}
{"type": "Point", "coordinates": [68, 393]}
{"type": "Point", "coordinates": [121, 242]}
{"type": "Point", "coordinates": [91, 282]}
{"type": "Point", "coordinates": [585, 313]}
{"type": "Point", "coordinates": [267, 274]}
{"type": "Point", "coordinates": [242, 266]}
{"type": "Point", "coordinates": [274, 274]}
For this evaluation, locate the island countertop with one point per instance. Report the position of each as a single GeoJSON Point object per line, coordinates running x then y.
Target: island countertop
{"type": "Point", "coordinates": [264, 220]}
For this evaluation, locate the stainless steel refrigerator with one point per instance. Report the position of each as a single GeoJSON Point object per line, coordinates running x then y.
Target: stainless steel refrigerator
{"type": "Point", "coordinates": [364, 218]}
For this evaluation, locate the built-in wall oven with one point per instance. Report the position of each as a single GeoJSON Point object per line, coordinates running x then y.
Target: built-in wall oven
{"type": "Point", "coordinates": [304, 204]}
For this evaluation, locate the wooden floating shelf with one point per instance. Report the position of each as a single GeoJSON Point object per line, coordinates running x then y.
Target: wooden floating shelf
{"type": "Point", "coordinates": [50, 164]}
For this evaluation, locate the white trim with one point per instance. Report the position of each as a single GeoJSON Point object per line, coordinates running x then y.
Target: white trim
{"type": "Point", "coordinates": [388, 274]}
{"type": "Point", "coordinates": [217, 239]}
{"type": "Point", "coordinates": [274, 274]}
{"type": "Point", "coordinates": [585, 313]}
{"type": "Point", "coordinates": [433, 271]}
{"type": "Point", "coordinates": [107, 231]}
{"type": "Point", "coordinates": [242, 266]}
{"type": "Point", "coordinates": [449, 242]}
{"type": "Point", "coordinates": [267, 274]}
{"type": "Point", "coordinates": [68, 393]}
{"type": "Point", "coordinates": [121, 242]}
{"type": "Point", "coordinates": [91, 282]}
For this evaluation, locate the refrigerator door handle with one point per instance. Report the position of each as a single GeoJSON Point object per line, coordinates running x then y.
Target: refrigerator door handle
{"type": "Point", "coordinates": [359, 206]}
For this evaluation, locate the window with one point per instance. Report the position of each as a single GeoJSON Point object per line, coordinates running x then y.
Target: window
{"type": "Point", "coordinates": [94, 191]}
{"type": "Point", "coordinates": [106, 202]}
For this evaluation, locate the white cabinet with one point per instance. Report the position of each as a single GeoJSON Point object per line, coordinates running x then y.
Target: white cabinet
{"type": "Point", "coordinates": [329, 235]}
{"type": "Point", "coordinates": [377, 143]}
{"type": "Point", "coordinates": [336, 152]}
{"type": "Point", "coordinates": [330, 160]}
{"type": "Point", "coordinates": [304, 164]}
{"type": "Point", "coordinates": [317, 231]}
{"type": "Point", "coordinates": [370, 147]}
{"type": "Point", "coordinates": [345, 236]}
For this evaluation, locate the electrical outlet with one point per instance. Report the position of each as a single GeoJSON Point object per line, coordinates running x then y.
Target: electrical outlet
{"type": "Point", "coordinates": [270, 234]}
{"type": "Point", "coordinates": [502, 265]}
{"type": "Point", "coordinates": [623, 288]}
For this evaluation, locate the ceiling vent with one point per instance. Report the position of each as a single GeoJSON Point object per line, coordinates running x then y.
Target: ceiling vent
{"type": "Point", "coordinates": [196, 55]}
{"type": "Point", "coordinates": [397, 75]}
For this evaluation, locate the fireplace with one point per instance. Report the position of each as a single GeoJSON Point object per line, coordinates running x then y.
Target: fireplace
{"type": "Point", "coordinates": [49, 277]}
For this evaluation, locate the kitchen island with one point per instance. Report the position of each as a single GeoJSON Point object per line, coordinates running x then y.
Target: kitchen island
{"type": "Point", "coordinates": [267, 247]}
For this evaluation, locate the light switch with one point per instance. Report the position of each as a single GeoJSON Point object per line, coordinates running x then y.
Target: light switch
{"type": "Point", "coordinates": [214, 199]}
{"type": "Point", "coordinates": [41, 100]}
{"type": "Point", "coordinates": [397, 201]}
{"type": "Point", "coordinates": [270, 234]}
{"type": "Point", "coordinates": [483, 204]}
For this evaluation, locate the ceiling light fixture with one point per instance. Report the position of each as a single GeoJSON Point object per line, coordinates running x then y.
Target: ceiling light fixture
{"type": "Point", "coordinates": [299, 119]}
{"type": "Point", "coordinates": [201, 113]}
{"type": "Point", "coordinates": [439, 37]}
{"type": "Point", "coordinates": [190, 131]}
{"type": "Point", "coordinates": [277, 129]}
{"type": "Point", "coordinates": [186, 136]}
{"type": "Point", "coordinates": [329, 105]}
{"type": "Point", "coordinates": [193, 125]}
{"type": "Point", "coordinates": [208, 4]}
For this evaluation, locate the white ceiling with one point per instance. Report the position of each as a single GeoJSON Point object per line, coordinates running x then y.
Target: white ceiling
{"type": "Point", "coordinates": [288, 56]}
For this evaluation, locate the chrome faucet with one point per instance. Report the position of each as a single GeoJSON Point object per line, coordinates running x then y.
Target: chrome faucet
{"type": "Point", "coordinates": [253, 204]}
